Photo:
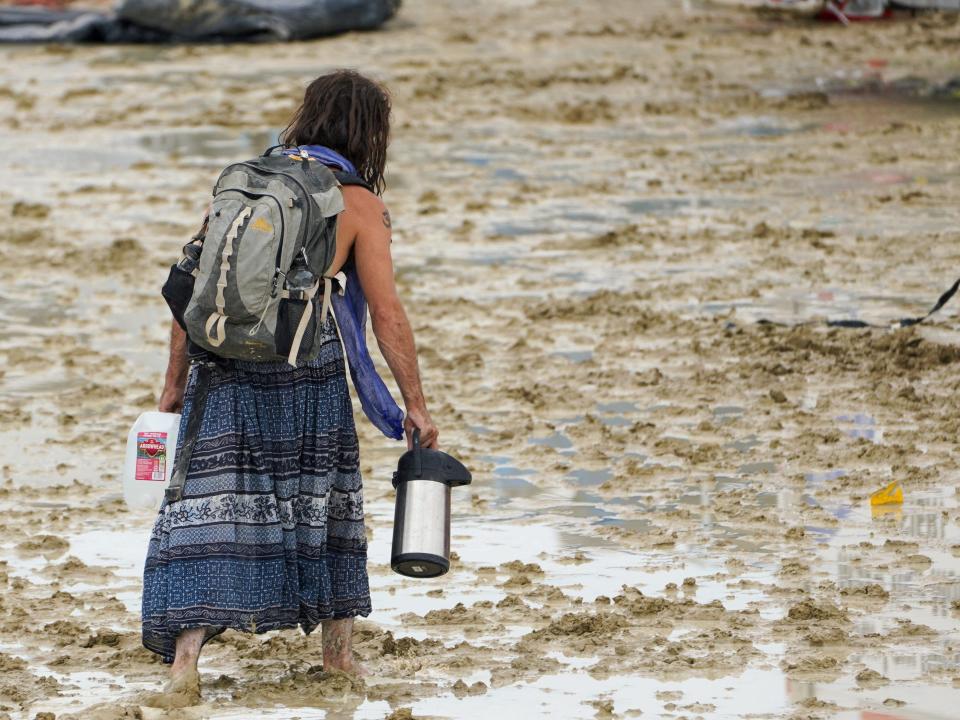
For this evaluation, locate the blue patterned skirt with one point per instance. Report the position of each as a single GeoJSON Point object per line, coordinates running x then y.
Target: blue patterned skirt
{"type": "Point", "coordinates": [269, 533]}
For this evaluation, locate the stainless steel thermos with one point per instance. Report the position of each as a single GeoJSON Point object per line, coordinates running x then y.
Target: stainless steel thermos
{"type": "Point", "coordinates": [421, 520]}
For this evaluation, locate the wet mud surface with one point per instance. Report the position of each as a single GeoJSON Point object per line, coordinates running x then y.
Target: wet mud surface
{"type": "Point", "coordinates": [593, 206]}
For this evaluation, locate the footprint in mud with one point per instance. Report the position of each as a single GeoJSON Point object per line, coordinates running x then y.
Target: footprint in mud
{"type": "Point", "coordinates": [302, 688]}
{"type": "Point", "coordinates": [112, 711]}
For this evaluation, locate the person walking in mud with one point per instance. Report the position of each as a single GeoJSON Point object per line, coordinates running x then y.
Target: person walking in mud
{"type": "Point", "coordinates": [268, 530]}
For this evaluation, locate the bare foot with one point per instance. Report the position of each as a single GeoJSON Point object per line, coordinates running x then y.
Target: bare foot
{"type": "Point", "coordinates": [183, 690]}
{"type": "Point", "coordinates": [338, 648]}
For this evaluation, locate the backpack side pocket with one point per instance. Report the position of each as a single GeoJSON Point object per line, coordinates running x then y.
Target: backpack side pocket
{"type": "Point", "coordinates": [289, 314]}
{"type": "Point", "coordinates": [177, 291]}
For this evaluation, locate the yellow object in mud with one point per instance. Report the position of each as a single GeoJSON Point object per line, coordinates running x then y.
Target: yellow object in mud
{"type": "Point", "coordinates": [889, 495]}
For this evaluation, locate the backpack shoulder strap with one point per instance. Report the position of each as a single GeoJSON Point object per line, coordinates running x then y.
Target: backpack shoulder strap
{"type": "Point", "coordinates": [346, 178]}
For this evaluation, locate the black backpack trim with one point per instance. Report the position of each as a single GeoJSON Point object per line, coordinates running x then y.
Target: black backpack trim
{"type": "Point", "coordinates": [348, 178]}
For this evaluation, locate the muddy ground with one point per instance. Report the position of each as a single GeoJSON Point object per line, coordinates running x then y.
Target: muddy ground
{"type": "Point", "coordinates": [594, 204]}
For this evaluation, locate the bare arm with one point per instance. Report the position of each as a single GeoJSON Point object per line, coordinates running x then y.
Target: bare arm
{"type": "Point", "coordinates": [390, 324]}
{"type": "Point", "coordinates": [171, 400]}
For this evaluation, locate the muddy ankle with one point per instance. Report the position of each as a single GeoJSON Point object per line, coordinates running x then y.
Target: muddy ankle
{"type": "Point", "coordinates": [348, 666]}
{"type": "Point", "coordinates": [185, 681]}
{"type": "Point", "coordinates": [184, 670]}
{"type": "Point", "coordinates": [182, 690]}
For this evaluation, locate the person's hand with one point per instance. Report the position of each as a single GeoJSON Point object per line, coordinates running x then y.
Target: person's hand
{"type": "Point", "coordinates": [420, 418]}
{"type": "Point", "coordinates": [171, 400]}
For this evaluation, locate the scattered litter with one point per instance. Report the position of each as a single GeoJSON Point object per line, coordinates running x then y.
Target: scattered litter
{"type": "Point", "coordinates": [892, 494]}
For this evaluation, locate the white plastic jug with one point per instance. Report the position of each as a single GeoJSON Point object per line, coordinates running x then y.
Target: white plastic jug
{"type": "Point", "coordinates": [151, 449]}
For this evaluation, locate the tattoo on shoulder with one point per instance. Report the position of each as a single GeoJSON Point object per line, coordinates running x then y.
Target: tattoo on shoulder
{"type": "Point", "coordinates": [386, 219]}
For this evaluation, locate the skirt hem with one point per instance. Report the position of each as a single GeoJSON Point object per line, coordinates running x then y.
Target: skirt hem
{"type": "Point", "coordinates": [161, 638]}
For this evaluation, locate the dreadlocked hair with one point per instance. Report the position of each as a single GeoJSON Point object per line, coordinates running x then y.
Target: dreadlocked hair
{"type": "Point", "coordinates": [348, 113]}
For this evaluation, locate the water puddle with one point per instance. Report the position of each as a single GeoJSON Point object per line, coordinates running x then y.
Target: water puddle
{"type": "Point", "coordinates": [831, 303]}
{"type": "Point", "coordinates": [67, 158]}
{"type": "Point", "coordinates": [937, 97]}
{"type": "Point", "coordinates": [861, 425]}
{"type": "Point", "coordinates": [758, 468]}
{"type": "Point", "coordinates": [514, 487]}
{"type": "Point", "coordinates": [619, 406]}
{"type": "Point", "coordinates": [575, 356]}
{"type": "Point", "coordinates": [745, 445]}
{"type": "Point", "coordinates": [820, 478]}
{"type": "Point", "coordinates": [571, 694]}
{"type": "Point", "coordinates": [555, 440]}
{"type": "Point", "coordinates": [510, 471]}
{"type": "Point", "coordinates": [589, 477]}
{"type": "Point", "coordinates": [762, 126]}
{"type": "Point", "coordinates": [580, 564]}
{"type": "Point", "coordinates": [479, 429]}
{"type": "Point", "coordinates": [209, 144]}
{"type": "Point", "coordinates": [682, 205]}
{"type": "Point", "coordinates": [724, 414]}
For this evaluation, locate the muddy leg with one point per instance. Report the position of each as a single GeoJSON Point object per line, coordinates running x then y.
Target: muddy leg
{"type": "Point", "coordinates": [187, 655]}
{"type": "Point", "coordinates": [338, 647]}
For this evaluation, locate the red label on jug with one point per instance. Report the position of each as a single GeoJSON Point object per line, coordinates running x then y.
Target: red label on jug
{"type": "Point", "coordinates": [151, 456]}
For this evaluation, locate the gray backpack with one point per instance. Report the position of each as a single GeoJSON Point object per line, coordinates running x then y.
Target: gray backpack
{"type": "Point", "coordinates": [254, 275]}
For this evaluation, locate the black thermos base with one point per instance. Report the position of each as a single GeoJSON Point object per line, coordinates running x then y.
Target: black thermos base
{"type": "Point", "coordinates": [420, 565]}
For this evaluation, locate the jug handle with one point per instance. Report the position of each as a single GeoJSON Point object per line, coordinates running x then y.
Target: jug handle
{"type": "Point", "coordinates": [417, 460]}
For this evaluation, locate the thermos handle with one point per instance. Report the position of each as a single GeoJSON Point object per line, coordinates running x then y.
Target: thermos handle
{"type": "Point", "coordinates": [417, 460]}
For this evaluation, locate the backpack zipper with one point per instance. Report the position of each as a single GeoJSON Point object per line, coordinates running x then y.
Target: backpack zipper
{"type": "Point", "coordinates": [308, 211]}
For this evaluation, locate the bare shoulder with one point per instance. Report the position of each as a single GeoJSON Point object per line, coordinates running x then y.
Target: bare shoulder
{"type": "Point", "coordinates": [367, 208]}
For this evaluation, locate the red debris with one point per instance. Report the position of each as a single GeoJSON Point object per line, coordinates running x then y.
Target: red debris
{"type": "Point", "coordinates": [839, 13]}
{"type": "Point", "coordinates": [57, 4]}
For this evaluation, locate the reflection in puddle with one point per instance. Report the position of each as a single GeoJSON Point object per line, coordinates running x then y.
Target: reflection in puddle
{"type": "Point", "coordinates": [509, 229]}
{"type": "Point", "coordinates": [819, 478]}
{"type": "Point", "coordinates": [556, 440]}
{"type": "Point", "coordinates": [673, 206]}
{"type": "Point", "coordinates": [789, 306]}
{"type": "Point", "coordinates": [745, 445]}
{"type": "Point", "coordinates": [636, 525]}
{"type": "Point", "coordinates": [917, 593]}
{"type": "Point", "coordinates": [759, 126]}
{"type": "Point", "coordinates": [210, 144]}
{"type": "Point", "coordinates": [589, 477]}
{"type": "Point", "coordinates": [863, 426]}
{"type": "Point", "coordinates": [941, 99]}
{"type": "Point", "coordinates": [68, 158]}
{"type": "Point", "coordinates": [727, 413]}
{"type": "Point", "coordinates": [576, 356]}
{"type": "Point", "coordinates": [620, 406]}
{"type": "Point", "coordinates": [754, 692]}
{"type": "Point", "coordinates": [756, 468]}
{"type": "Point", "coordinates": [515, 487]}
{"type": "Point", "coordinates": [510, 471]}
{"type": "Point", "coordinates": [479, 429]}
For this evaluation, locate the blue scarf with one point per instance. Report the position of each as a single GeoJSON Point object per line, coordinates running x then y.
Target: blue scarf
{"type": "Point", "coordinates": [350, 311]}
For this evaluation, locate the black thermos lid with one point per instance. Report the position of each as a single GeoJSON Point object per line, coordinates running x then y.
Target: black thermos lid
{"type": "Point", "coordinates": [425, 464]}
